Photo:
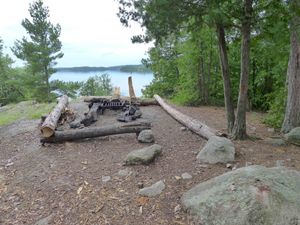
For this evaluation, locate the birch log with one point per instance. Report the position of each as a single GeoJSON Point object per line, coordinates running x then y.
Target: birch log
{"type": "Point", "coordinates": [92, 132]}
{"type": "Point", "coordinates": [194, 125]}
{"type": "Point", "coordinates": [50, 123]}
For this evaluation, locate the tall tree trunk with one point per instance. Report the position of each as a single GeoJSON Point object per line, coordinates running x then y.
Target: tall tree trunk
{"type": "Point", "coordinates": [226, 77]}
{"type": "Point", "coordinates": [47, 83]}
{"type": "Point", "coordinates": [202, 86]}
{"type": "Point", "coordinates": [239, 129]}
{"type": "Point", "coordinates": [292, 111]}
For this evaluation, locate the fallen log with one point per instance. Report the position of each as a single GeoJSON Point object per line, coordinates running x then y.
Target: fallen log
{"type": "Point", "coordinates": [194, 125]}
{"type": "Point", "coordinates": [92, 132]}
{"type": "Point", "coordinates": [50, 123]}
{"type": "Point", "coordinates": [139, 101]}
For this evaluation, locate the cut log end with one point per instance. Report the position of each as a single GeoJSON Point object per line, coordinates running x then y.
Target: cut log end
{"type": "Point", "coordinates": [47, 132]}
{"type": "Point", "coordinates": [51, 121]}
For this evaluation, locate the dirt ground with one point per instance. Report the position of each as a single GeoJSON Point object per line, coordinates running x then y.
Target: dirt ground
{"type": "Point", "coordinates": [62, 183]}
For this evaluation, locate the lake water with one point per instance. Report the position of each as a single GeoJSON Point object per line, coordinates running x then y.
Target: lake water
{"type": "Point", "coordinates": [118, 79]}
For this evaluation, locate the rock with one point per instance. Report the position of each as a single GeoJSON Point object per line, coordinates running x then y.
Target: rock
{"type": "Point", "coordinates": [140, 185]}
{"type": "Point", "coordinates": [75, 124]}
{"type": "Point", "coordinates": [143, 156]}
{"type": "Point", "coordinates": [248, 164]}
{"type": "Point", "coordinates": [276, 142]}
{"type": "Point", "coordinates": [279, 162]}
{"type": "Point", "coordinates": [203, 166]}
{"type": "Point", "coordinates": [146, 136]}
{"type": "Point", "coordinates": [253, 195]}
{"type": "Point", "coordinates": [183, 128]}
{"type": "Point", "coordinates": [186, 176]}
{"type": "Point", "coordinates": [177, 178]}
{"type": "Point", "coordinates": [44, 221]}
{"type": "Point", "coordinates": [105, 179]}
{"type": "Point", "coordinates": [229, 165]}
{"type": "Point", "coordinates": [235, 166]}
{"type": "Point", "coordinates": [271, 130]}
{"type": "Point", "coordinates": [293, 136]}
{"type": "Point", "coordinates": [153, 190]}
{"type": "Point", "coordinates": [124, 173]}
{"type": "Point", "coordinates": [177, 208]}
{"type": "Point", "coordinates": [217, 150]}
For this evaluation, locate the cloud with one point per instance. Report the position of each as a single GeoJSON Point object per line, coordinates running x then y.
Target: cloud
{"type": "Point", "coordinates": [90, 30]}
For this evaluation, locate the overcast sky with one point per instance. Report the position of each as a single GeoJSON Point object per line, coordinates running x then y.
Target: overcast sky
{"type": "Point", "coordinates": [91, 32]}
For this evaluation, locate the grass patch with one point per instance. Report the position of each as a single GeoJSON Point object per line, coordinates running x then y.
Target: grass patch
{"type": "Point", "coordinates": [23, 110]}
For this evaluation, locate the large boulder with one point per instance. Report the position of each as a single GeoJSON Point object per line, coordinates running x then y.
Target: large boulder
{"type": "Point", "coordinates": [217, 150]}
{"type": "Point", "coordinates": [143, 156]}
{"type": "Point", "coordinates": [253, 195]}
{"type": "Point", "coordinates": [146, 136]}
{"type": "Point", "coordinates": [293, 136]}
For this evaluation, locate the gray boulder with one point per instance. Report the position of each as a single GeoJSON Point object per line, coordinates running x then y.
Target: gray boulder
{"type": "Point", "coordinates": [217, 150]}
{"type": "Point", "coordinates": [143, 156]}
{"type": "Point", "coordinates": [253, 195]}
{"type": "Point", "coordinates": [153, 190]}
{"type": "Point", "coordinates": [146, 136]}
{"type": "Point", "coordinates": [293, 136]}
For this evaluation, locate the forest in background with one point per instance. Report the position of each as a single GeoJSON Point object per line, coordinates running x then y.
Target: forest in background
{"type": "Point", "coordinates": [200, 46]}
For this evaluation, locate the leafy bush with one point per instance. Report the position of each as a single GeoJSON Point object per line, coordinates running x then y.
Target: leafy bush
{"type": "Point", "coordinates": [97, 85]}
{"type": "Point", "coordinates": [69, 88]}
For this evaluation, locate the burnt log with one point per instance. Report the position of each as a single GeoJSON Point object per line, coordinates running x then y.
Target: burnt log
{"type": "Point", "coordinates": [50, 123]}
{"type": "Point", "coordinates": [92, 115]}
{"type": "Point", "coordinates": [139, 101]}
{"type": "Point", "coordinates": [194, 125]}
{"type": "Point", "coordinates": [70, 135]}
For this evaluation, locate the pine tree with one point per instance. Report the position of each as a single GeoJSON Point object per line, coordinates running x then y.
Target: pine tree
{"type": "Point", "coordinates": [43, 46]}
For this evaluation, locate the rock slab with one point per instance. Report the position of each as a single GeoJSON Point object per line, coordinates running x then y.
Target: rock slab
{"type": "Point", "coordinates": [146, 136]}
{"type": "Point", "coordinates": [276, 142]}
{"type": "Point", "coordinates": [153, 190]}
{"type": "Point", "coordinates": [217, 150]}
{"type": "Point", "coordinates": [293, 136]}
{"type": "Point", "coordinates": [253, 195]}
{"type": "Point", "coordinates": [143, 156]}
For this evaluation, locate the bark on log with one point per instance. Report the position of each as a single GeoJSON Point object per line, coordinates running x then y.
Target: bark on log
{"type": "Point", "coordinates": [92, 132]}
{"type": "Point", "coordinates": [131, 90]}
{"type": "Point", "coordinates": [50, 122]}
{"type": "Point", "coordinates": [139, 101]}
{"type": "Point", "coordinates": [194, 125]}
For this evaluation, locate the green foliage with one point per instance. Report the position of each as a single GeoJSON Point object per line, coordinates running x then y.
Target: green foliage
{"type": "Point", "coordinates": [41, 49]}
{"type": "Point", "coordinates": [163, 63]}
{"type": "Point", "coordinates": [185, 57]}
{"type": "Point", "coordinates": [97, 85]}
{"type": "Point", "coordinates": [277, 108]}
{"type": "Point", "coordinates": [11, 89]}
{"type": "Point", "coordinates": [70, 88]}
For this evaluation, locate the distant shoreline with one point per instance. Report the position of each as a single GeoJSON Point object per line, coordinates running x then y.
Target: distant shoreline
{"type": "Point", "coordinates": [122, 68]}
